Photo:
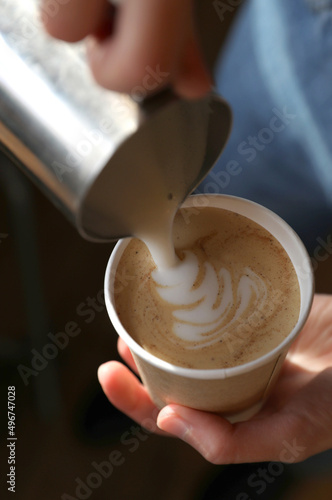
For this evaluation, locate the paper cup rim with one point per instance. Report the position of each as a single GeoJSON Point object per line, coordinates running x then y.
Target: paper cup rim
{"type": "Point", "coordinates": [236, 204]}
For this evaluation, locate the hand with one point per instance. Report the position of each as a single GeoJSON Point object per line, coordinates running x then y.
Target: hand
{"type": "Point", "coordinates": [295, 423]}
{"type": "Point", "coordinates": [139, 36]}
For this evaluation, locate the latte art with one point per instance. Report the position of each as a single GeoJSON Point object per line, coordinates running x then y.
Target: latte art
{"type": "Point", "coordinates": [204, 314]}
{"type": "Point", "coordinates": [232, 295]}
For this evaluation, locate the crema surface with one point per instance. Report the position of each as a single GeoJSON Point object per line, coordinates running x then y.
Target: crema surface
{"type": "Point", "coordinates": [232, 296]}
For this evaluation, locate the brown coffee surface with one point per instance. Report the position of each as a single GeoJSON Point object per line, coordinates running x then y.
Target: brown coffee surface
{"type": "Point", "coordinates": [253, 305]}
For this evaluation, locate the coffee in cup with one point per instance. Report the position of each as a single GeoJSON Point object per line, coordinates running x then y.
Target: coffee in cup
{"type": "Point", "coordinates": [232, 254]}
{"type": "Point", "coordinates": [232, 297]}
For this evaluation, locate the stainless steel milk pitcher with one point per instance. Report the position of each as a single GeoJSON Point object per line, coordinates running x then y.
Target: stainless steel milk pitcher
{"type": "Point", "coordinates": [91, 150]}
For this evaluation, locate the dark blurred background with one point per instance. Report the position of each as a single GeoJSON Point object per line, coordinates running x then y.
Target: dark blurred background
{"type": "Point", "coordinates": [64, 425]}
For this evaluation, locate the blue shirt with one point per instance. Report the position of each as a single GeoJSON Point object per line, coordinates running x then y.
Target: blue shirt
{"type": "Point", "coordinates": [276, 72]}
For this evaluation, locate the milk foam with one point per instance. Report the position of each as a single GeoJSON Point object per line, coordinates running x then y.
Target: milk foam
{"type": "Point", "coordinates": [231, 296]}
{"type": "Point", "coordinates": [202, 314]}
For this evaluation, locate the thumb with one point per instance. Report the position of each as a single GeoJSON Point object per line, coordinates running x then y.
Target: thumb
{"type": "Point", "coordinates": [297, 430]}
{"type": "Point", "coordinates": [220, 442]}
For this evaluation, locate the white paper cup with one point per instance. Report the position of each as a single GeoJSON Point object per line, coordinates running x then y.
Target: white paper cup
{"type": "Point", "coordinates": [237, 392]}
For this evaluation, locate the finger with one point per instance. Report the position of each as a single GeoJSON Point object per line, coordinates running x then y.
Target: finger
{"type": "Point", "coordinates": [302, 428]}
{"type": "Point", "coordinates": [75, 19]}
{"type": "Point", "coordinates": [126, 355]}
{"type": "Point", "coordinates": [193, 78]}
{"type": "Point", "coordinates": [146, 50]}
{"type": "Point", "coordinates": [127, 394]}
{"type": "Point", "coordinates": [313, 347]}
{"type": "Point", "coordinates": [220, 442]}
{"type": "Point", "coordinates": [291, 380]}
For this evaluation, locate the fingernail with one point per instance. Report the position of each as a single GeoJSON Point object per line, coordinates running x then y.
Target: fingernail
{"type": "Point", "coordinates": [102, 370]}
{"type": "Point", "coordinates": [169, 421]}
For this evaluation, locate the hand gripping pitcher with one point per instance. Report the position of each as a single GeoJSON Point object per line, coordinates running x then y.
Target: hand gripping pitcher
{"type": "Point", "coordinates": [94, 152]}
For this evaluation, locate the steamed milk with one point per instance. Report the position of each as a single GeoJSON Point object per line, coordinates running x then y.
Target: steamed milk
{"type": "Point", "coordinates": [230, 295]}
